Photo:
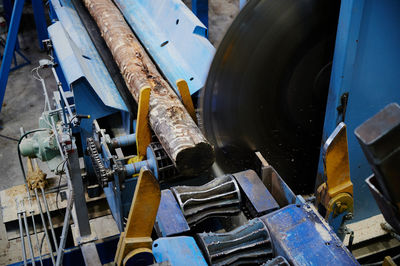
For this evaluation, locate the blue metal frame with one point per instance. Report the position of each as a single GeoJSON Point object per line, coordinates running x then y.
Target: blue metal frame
{"type": "Point", "coordinates": [366, 66]}
{"type": "Point", "coordinates": [181, 250]}
{"type": "Point", "coordinates": [302, 236]}
{"type": "Point", "coordinates": [174, 37]}
{"type": "Point", "coordinates": [10, 46]}
{"type": "Point", "coordinates": [85, 73]}
{"type": "Point", "coordinates": [40, 21]}
{"type": "Point", "coordinates": [200, 9]}
{"type": "Point", "coordinates": [12, 37]}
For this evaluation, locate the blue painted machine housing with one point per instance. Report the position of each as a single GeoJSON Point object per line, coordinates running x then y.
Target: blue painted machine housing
{"type": "Point", "coordinates": [95, 93]}
{"type": "Point", "coordinates": [181, 250]}
{"type": "Point", "coordinates": [175, 38]}
{"type": "Point", "coordinates": [300, 235]}
{"type": "Point", "coordinates": [366, 66]}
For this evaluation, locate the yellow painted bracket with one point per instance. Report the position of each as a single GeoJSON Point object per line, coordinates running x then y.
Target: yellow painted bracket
{"type": "Point", "coordinates": [136, 239]}
{"type": "Point", "coordinates": [336, 194]}
{"type": "Point", "coordinates": [186, 98]}
{"type": "Point", "coordinates": [143, 133]}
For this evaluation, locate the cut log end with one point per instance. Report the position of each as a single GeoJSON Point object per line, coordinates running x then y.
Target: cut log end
{"type": "Point", "coordinates": [192, 161]}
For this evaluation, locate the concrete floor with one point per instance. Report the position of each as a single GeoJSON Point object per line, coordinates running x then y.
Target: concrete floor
{"type": "Point", "coordinates": [24, 103]}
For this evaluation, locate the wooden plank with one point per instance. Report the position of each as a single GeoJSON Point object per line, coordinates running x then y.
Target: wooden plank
{"type": "Point", "coordinates": [102, 227]}
{"type": "Point", "coordinates": [97, 207]}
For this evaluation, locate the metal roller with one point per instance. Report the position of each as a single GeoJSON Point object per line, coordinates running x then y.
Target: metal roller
{"type": "Point", "coordinates": [249, 244]}
{"type": "Point", "coordinates": [220, 197]}
{"type": "Point", "coordinates": [267, 87]}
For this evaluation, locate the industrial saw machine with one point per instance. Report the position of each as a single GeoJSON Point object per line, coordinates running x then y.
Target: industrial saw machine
{"type": "Point", "coordinates": [161, 150]}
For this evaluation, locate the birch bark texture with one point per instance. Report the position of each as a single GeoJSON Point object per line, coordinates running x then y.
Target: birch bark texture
{"type": "Point", "coordinates": [179, 135]}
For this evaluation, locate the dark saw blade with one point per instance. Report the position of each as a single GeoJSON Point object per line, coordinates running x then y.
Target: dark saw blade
{"type": "Point", "coordinates": [267, 87]}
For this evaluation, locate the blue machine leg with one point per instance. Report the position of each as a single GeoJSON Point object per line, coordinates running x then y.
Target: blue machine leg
{"type": "Point", "coordinates": [200, 9]}
{"type": "Point", "coordinates": [40, 21]}
{"type": "Point", "coordinates": [10, 45]}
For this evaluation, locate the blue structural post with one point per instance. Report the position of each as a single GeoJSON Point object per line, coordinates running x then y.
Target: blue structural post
{"type": "Point", "coordinates": [242, 3]}
{"type": "Point", "coordinates": [10, 46]}
{"type": "Point", "coordinates": [40, 21]}
{"type": "Point", "coordinates": [200, 9]}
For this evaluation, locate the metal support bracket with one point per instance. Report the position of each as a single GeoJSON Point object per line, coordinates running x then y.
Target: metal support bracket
{"type": "Point", "coordinates": [135, 242]}
{"type": "Point", "coordinates": [336, 194]}
{"type": "Point", "coordinates": [11, 42]}
{"type": "Point", "coordinates": [186, 98]}
{"type": "Point", "coordinates": [143, 133]}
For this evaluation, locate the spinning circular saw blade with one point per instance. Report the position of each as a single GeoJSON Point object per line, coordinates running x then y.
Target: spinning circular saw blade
{"type": "Point", "coordinates": [267, 87]}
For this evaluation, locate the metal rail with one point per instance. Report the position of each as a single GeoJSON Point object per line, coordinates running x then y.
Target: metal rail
{"type": "Point", "coordinates": [63, 238]}
{"type": "Point", "coordinates": [46, 233]}
{"type": "Point", "coordinates": [21, 234]}
{"type": "Point", "coordinates": [49, 218]}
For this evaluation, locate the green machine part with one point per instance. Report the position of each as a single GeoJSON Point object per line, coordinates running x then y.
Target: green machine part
{"type": "Point", "coordinates": [43, 144]}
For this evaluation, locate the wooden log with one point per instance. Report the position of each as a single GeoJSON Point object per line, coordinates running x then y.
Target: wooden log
{"type": "Point", "coordinates": [176, 130]}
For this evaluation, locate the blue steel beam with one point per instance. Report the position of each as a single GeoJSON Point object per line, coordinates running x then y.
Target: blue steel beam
{"type": "Point", "coordinates": [40, 21]}
{"type": "Point", "coordinates": [200, 9]}
{"type": "Point", "coordinates": [10, 46]}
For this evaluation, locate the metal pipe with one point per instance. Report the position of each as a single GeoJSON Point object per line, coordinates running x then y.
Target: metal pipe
{"type": "Point", "coordinates": [21, 233]}
{"type": "Point", "coordinates": [49, 217]}
{"type": "Point", "coordinates": [32, 213]}
{"type": "Point", "coordinates": [28, 236]}
{"type": "Point", "coordinates": [44, 226]}
{"type": "Point", "coordinates": [60, 89]}
{"type": "Point", "coordinates": [46, 96]}
{"type": "Point", "coordinates": [63, 238]}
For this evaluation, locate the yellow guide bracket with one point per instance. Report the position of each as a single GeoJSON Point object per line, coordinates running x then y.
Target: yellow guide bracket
{"type": "Point", "coordinates": [336, 194]}
{"type": "Point", "coordinates": [136, 239]}
{"type": "Point", "coordinates": [143, 133]}
{"type": "Point", "coordinates": [186, 98]}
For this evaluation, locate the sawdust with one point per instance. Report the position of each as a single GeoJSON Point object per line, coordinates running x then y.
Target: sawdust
{"type": "Point", "coordinates": [36, 179]}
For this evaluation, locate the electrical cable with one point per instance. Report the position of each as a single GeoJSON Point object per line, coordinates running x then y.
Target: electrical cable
{"type": "Point", "coordinates": [9, 138]}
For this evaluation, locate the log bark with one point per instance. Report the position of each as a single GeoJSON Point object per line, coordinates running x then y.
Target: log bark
{"type": "Point", "coordinates": [179, 135]}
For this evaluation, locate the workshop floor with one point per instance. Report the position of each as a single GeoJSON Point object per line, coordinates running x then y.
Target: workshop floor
{"type": "Point", "coordinates": [24, 103]}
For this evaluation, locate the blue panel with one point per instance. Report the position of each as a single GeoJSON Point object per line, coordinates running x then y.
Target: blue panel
{"type": "Point", "coordinates": [170, 220]}
{"type": "Point", "coordinates": [187, 55]}
{"type": "Point", "coordinates": [366, 65]}
{"type": "Point", "coordinates": [78, 56]}
{"type": "Point", "coordinates": [94, 91]}
{"type": "Point", "coordinates": [299, 235]}
{"type": "Point", "coordinates": [256, 192]}
{"type": "Point", "coordinates": [200, 9]}
{"type": "Point", "coordinates": [179, 251]}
